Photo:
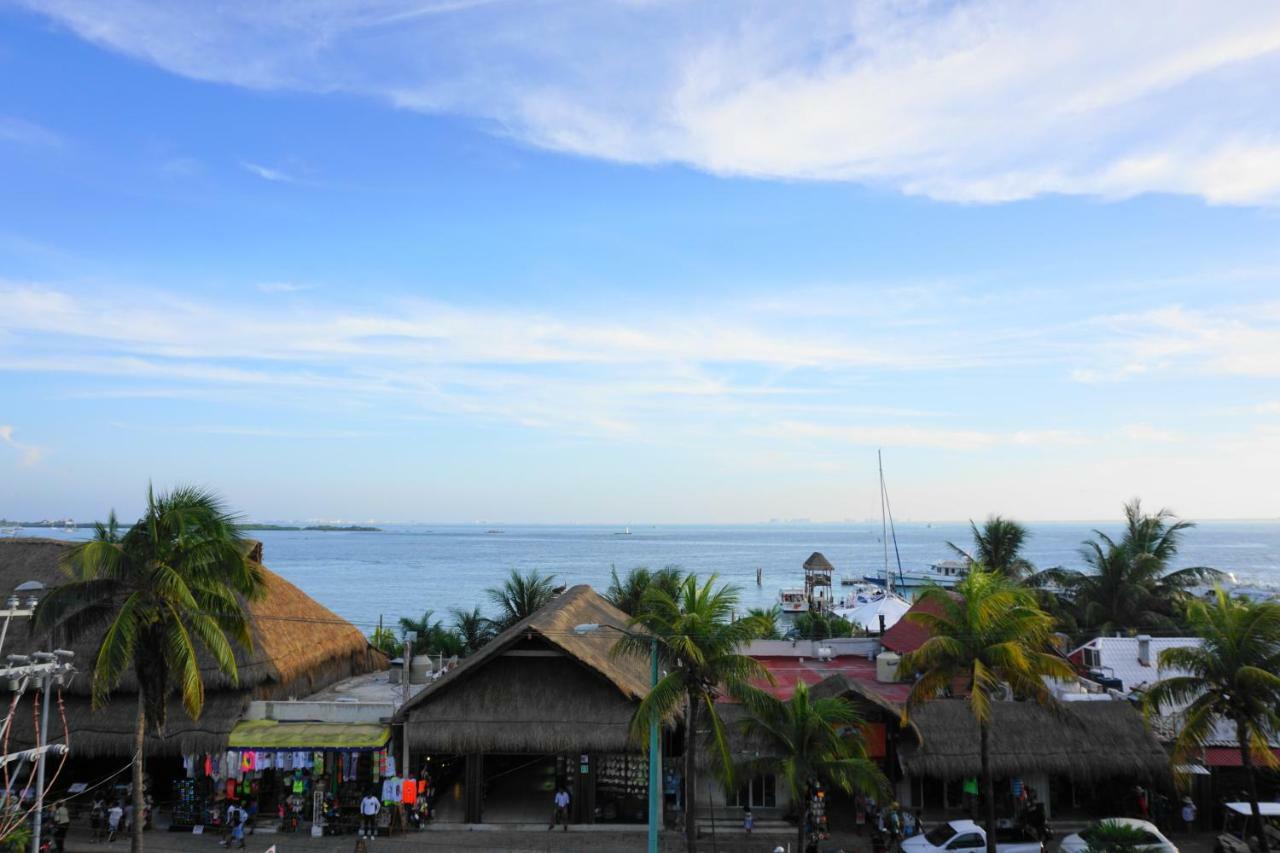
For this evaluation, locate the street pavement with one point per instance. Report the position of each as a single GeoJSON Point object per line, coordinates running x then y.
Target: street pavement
{"type": "Point", "coordinates": [527, 839]}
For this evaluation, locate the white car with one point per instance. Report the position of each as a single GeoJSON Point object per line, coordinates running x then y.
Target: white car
{"type": "Point", "coordinates": [1153, 841]}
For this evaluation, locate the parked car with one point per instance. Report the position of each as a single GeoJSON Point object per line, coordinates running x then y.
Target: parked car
{"type": "Point", "coordinates": [966, 836]}
{"type": "Point", "coordinates": [1153, 841]}
{"type": "Point", "coordinates": [1236, 819]}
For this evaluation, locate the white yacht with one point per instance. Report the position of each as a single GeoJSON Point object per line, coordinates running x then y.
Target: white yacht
{"type": "Point", "coordinates": [793, 600]}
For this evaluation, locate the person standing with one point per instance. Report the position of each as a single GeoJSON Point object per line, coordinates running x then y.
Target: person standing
{"type": "Point", "coordinates": [562, 809]}
{"type": "Point", "coordinates": [748, 819]}
{"type": "Point", "coordinates": [61, 823]}
{"type": "Point", "coordinates": [114, 815]}
{"type": "Point", "coordinates": [1188, 814]}
{"type": "Point", "coordinates": [369, 808]}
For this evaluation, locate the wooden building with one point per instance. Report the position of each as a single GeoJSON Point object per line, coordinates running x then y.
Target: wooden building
{"type": "Point", "coordinates": [539, 706]}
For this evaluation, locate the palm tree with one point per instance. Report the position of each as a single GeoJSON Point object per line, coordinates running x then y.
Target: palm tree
{"type": "Point", "coordinates": [1232, 676]}
{"type": "Point", "coordinates": [986, 634]}
{"type": "Point", "coordinates": [1129, 584]}
{"type": "Point", "coordinates": [997, 546]}
{"type": "Point", "coordinates": [431, 636]}
{"type": "Point", "coordinates": [473, 629]}
{"type": "Point", "coordinates": [822, 626]}
{"type": "Point", "coordinates": [768, 619]}
{"type": "Point", "coordinates": [803, 741]}
{"type": "Point", "coordinates": [698, 645]}
{"type": "Point", "coordinates": [519, 596]}
{"type": "Point", "coordinates": [171, 586]}
{"type": "Point", "coordinates": [627, 593]}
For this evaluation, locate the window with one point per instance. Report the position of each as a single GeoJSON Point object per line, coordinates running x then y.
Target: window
{"type": "Point", "coordinates": [1092, 658]}
{"type": "Point", "coordinates": [968, 841]}
{"type": "Point", "coordinates": [760, 792]}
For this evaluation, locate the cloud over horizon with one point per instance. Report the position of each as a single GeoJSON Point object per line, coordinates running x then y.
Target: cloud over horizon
{"type": "Point", "coordinates": [979, 101]}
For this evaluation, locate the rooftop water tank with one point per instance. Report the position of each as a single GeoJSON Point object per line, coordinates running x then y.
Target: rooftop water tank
{"type": "Point", "coordinates": [887, 667]}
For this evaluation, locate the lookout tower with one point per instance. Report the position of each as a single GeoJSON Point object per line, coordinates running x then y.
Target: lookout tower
{"type": "Point", "coordinates": [817, 581]}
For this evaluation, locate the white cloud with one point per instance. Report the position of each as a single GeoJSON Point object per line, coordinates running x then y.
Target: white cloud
{"type": "Point", "coordinates": [898, 435]}
{"type": "Point", "coordinates": [267, 173]}
{"type": "Point", "coordinates": [28, 454]}
{"type": "Point", "coordinates": [23, 132]}
{"type": "Point", "coordinates": [1231, 341]}
{"type": "Point", "coordinates": [282, 287]}
{"type": "Point", "coordinates": [1271, 407]}
{"type": "Point", "coordinates": [981, 100]}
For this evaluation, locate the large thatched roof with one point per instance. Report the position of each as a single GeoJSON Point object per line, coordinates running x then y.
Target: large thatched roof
{"type": "Point", "coordinates": [1083, 740]}
{"type": "Point", "coordinates": [818, 563]}
{"type": "Point", "coordinates": [538, 686]}
{"type": "Point", "coordinates": [299, 647]}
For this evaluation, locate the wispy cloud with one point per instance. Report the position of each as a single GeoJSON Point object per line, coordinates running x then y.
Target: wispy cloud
{"type": "Point", "coordinates": [282, 287]}
{"type": "Point", "coordinates": [267, 173]}
{"type": "Point", "coordinates": [978, 100]}
{"type": "Point", "coordinates": [1228, 341]}
{"type": "Point", "coordinates": [23, 132]}
{"type": "Point", "coordinates": [28, 454]}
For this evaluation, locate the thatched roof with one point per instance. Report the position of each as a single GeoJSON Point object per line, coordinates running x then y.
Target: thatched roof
{"type": "Point", "coordinates": [538, 686]}
{"type": "Point", "coordinates": [1083, 740]}
{"type": "Point", "coordinates": [299, 647]}
{"type": "Point", "coordinates": [818, 563]}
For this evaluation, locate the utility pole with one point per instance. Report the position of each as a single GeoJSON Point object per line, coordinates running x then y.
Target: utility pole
{"type": "Point", "coordinates": [49, 669]}
{"type": "Point", "coordinates": [409, 638]}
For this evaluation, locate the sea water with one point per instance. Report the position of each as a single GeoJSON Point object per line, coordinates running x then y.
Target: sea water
{"type": "Point", "coordinates": [403, 570]}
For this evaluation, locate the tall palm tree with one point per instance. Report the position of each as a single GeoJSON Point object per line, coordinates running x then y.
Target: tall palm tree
{"type": "Point", "coordinates": [804, 739]}
{"type": "Point", "coordinates": [1232, 676]}
{"type": "Point", "coordinates": [1129, 584]}
{"type": "Point", "coordinates": [473, 629]}
{"type": "Point", "coordinates": [985, 634]}
{"type": "Point", "coordinates": [698, 644]}
{"type": "Point", "coordinates": [627, 593]}
{"type": "Point", "coordinates": [174, 584]}
{"type": "Point", "coordinates": [519, 596]}
{"type": "Point", "coordinates": [997, 546]}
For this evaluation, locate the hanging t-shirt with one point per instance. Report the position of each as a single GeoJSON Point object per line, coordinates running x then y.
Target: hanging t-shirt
{"type": "Point", "coordinates": [409, 791]}
{"type": "Point", "coordinates": [392, 790]}
{"type": "Point", "coordinates": [391, 765]}
{"type": "Point", "coordinates": [317, 764]}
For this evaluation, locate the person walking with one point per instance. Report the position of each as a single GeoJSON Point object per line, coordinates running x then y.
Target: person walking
{"type": "Point", "coordinates": [1188, 814]}
{"type": "Point", "coordinates": [562, 809]}
{"type": "Point", "coordinates": [114, 815]}
{"type": "Point", "coordinates": [97, 818]}
{"type": "Point", "coordinates": [748, 819]}
{"type": "Point", "coordinates": [61, 823]}
{"type": "Point", "coordinates": [369, 808]}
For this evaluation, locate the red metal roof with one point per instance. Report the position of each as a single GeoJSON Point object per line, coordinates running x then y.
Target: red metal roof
{"type": "Point", "coordinates": [906, 635]}
{"type": "Point", "coordinates": [1226, 756]}
{"type": "Point", "coordinates": [787, 671]}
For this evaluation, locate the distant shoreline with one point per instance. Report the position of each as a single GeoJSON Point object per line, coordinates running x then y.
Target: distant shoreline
{"type": "Point", "coordinates": [328, 528]}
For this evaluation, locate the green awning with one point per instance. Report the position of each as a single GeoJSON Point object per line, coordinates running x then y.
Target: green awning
{"type": "Point", "coordinates": [273, 734]}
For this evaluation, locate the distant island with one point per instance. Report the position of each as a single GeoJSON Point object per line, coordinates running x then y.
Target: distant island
{"type": "Point", "coordinates": [67, 525]}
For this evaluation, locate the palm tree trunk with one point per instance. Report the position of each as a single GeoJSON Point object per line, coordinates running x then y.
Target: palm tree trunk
{"type": "Point", "coordinates": [139, 802]}
{"type": "Point", "coordinates": [1246, 761]}
{"type": "Point", "coordinates": [690, 777]}
{"type": "Point", "coordinates": [988, 786]}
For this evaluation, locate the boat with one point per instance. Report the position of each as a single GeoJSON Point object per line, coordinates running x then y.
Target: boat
{"type": "Point", "coordinates": [626, 531]}
{"type": "Point", "coordinates": [873, 605]}
{"type": "Point", "coordinates": [945, 573]}
{"type": "Point", "coordinates": [13, 530]}
{"type": "Point", "coordinates": [793, 600]}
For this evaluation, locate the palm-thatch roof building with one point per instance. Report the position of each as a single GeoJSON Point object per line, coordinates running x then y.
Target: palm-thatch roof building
{"type": "Point", "coordinates": [299, 647]}
{"type": "Point", "coordinates": [540, 705]}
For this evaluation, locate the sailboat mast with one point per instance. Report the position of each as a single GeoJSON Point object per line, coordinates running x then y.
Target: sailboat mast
{"type": "Point", "coordinates": [884, 530]}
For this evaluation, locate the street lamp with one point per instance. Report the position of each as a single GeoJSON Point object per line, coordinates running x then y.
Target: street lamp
{"type": "Point", "coordinates": [655, 751]}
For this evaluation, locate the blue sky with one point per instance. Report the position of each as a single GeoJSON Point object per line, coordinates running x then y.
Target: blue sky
{"type": "Point", "coordinates": [640, 261]}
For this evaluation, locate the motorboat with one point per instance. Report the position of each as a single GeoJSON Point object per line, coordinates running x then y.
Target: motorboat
{"type": "Point", "coordinates": [793, 600]}
{"type": "Point", "coordinates": [945, 573]}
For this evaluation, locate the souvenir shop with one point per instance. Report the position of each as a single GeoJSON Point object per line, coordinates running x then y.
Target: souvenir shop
{"type": "Point", "coordinates": [288, 775]}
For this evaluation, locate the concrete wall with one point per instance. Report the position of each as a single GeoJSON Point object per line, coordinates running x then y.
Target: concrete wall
{"type": "Point", "coordinates": [867, 647]}
{"type": "Point", "coordinates": [321, 712]}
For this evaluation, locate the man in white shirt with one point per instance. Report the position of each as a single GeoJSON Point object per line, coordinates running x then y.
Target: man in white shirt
{"type": "Point", "coordinates": [369, 807]}
{"type": "Point", "coordinates": [562, 809]}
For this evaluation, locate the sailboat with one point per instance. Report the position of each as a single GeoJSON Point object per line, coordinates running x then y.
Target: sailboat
{"type": "Point", "coordinates": [880, 607]}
